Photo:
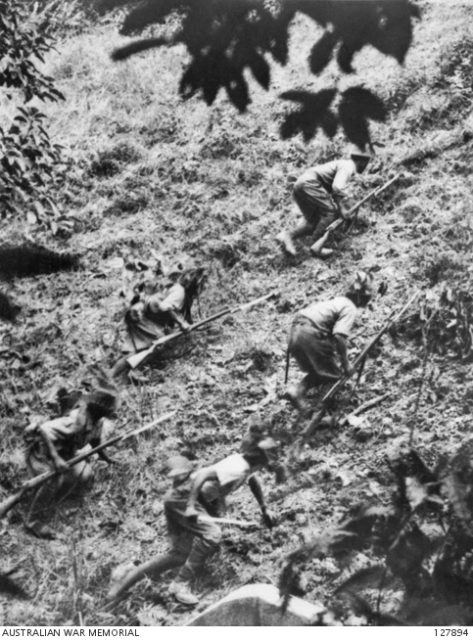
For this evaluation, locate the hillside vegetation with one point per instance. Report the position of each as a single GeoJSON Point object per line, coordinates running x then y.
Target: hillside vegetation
{"type": "Point", "coordinates": [151, 176]}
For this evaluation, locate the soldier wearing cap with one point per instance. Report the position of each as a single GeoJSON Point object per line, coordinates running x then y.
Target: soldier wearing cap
{"type": "Point", "coordinates": [320, 194]}
{"type": "Point", "coordinates": [153, 314]}
{"type": "Point", "coordinates": [202, 493]}
{"type": "Point", "coordinates": [51, 443]}
{"type": "Point", "coordinates": [319, 334]}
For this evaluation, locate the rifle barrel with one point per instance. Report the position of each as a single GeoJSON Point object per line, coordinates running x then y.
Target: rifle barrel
{"type": "Point", "coordinates": [36, 481]}
{"type": "Point", "coordinates": [136, 359]}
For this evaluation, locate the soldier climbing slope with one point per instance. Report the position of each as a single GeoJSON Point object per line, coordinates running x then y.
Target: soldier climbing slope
{"type": "Point", "coordinates": [51, 443]}
{"type": "Point", "coordinates": [319, 334]}
{"type": "Point", "coordinates": [320, 194]}
{"type": "Point", "coordinates": [153, 315]}
{"type": "Point", "coordinates": [189, 506]}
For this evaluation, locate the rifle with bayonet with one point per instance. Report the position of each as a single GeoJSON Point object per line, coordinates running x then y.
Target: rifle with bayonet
{"type": "Point", "coordinates": [39, 480]}
{"type": "Point", "coordinates": [359, 361]}
{"type": "Point", "coordinates": [139, 358]}
{"type": "Point", "coordinates": [319, 244]}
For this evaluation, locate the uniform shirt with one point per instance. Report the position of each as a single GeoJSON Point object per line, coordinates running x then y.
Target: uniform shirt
{"type": "Point", "coordinates": [66, 433]}
{"type": "Point", "coordinates": [332, 317]}
{"type": "Point", "coordinates": [334, 176]}
{"type": "Point", "coordinates": [231, 472]}
{"type": "Point", "coordinates": [174, 301]}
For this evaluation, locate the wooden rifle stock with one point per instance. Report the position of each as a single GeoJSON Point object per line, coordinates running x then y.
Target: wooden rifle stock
{"type": "Point", "coordinates": [318, 245]}
{"type": "Point", "coordinates": [394, 317]}
{"type": "Point", "coordinates": [139, 358]}
{"type": "Point", "coordinates": [37, 481]}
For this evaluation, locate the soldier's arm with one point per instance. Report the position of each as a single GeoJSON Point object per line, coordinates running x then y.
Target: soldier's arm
{"type": "Point", "coordinates": [200, 478]}
{"type": "Point", "coordinates": [341, 342]}
{"type": "Point", "coordinates": [58, 462]}
{"type": "Point", "coordinates": [256, 489]}
{"type": "Point", "coordinates": [343, 176]}
{"type": "Point", "coordinates": [107, 425]}
{"type": "Point", "coordinates": [179, 320]}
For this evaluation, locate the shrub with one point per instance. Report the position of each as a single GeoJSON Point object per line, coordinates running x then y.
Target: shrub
{"type": "Point", "coordinates": [30, 162]}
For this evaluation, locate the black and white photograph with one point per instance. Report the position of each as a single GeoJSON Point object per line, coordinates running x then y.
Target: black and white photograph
{"type": "Point", "coordinates": [236, 315]}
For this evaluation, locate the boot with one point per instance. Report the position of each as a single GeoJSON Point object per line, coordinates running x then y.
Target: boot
{"type": "Point", "coordinates": [320, 253]}
{"type": "Point", "coordinates": [183, 593]}
{"type": "Point", "coordinates": [284, 238]}
{"type": "Point", "coordinates": [294, 395]}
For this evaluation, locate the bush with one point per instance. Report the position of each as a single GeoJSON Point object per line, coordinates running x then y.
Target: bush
{"type": "Point", "coordinates": [30, 162]}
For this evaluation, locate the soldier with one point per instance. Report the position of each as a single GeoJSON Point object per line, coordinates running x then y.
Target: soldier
{"type": "Point", "coordinates": [320, 194]}
{"type": "Point", "coordinates": [319, 334]}
{"type": "Point", "coordinates": [53, 442]}
{"type": "Point", "coordinates": [152, 315]}
{"type": "Point", "coordinates": [202, 493]}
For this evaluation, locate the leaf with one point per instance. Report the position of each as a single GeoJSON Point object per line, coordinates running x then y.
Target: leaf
{"type": "Point", "coordinates": [9, 586]}
{"type": "Point", "coordinates": [370, 577]}
{"type": "Point", "coordinates": [314, 113]}
{"type": "Point", "coordinates": [357, 107]}
{"type": "Point", "coordinates": [321, 52]}
{"type": "Point", "coordinates": [260, 69]}
{"type": "Point", "coordinates": [362, 607]}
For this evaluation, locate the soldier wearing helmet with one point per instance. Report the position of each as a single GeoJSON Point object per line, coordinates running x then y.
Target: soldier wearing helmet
{"type": "Point", "coordinates": [320, 194]}
{"type": "Point", "coordinates": [318, 337]}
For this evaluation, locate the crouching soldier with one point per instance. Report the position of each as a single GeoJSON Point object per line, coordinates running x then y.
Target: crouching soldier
{"type": "Point", "coordinates": [320, 194]}
{"type": "Point", "coordinates": [194, 498]}
{"type": "Point", "coordinates": [318, 338]}
{"type": "Point", "coordinates": [51, 443]}
{"type": "Point", "coordinates": [153, 314]}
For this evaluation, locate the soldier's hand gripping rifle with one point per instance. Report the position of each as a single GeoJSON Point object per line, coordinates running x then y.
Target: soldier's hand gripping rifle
{"type": "Point", "coordinates": [138, 359]}
{"type": "Point", "coordinates": [393, 318]}
{"type": "Point", "coordinates": [319, 245]}
{"type": "Point", "coordinates": [37, 481]}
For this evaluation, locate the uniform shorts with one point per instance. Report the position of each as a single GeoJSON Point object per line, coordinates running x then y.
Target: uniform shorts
{"type": "Point", "coordinates": [315, 202]}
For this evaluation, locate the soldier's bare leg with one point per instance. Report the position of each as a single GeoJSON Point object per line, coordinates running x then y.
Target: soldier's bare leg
{"type": "Point", "coordinates": [151, 569]}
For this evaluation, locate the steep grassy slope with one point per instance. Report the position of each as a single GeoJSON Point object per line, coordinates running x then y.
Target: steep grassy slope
{"type": "Point", "coordinates": [152, 174]}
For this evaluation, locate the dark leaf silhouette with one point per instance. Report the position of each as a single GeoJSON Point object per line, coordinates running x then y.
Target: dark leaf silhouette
{"type": "Point", "coordinates": [226, 37]}
{"type": "Point", "coordinates": [458, 486]}
{"type": "Point", "coordinates": [321, 52]}
{"type": "Point", "coordinates": [137, 46]}
{"type": "Point", "coordinates": [260, 69]}
{"type": "Point", "coordinates": [367, 522]}
{"type": "Point", "coordinates": [356, 108]}
{"type": "Point", "coordinates": [318, 546]}
{"type": "Point", "coordinates": [30, 260]}
{"type": "Point", "coordinates": [370, 577]}
{"type": "Point", "coordinates": [385, 25]}
{"type": "Point", "coordinates": [406, 555]}
{"type": "Point", "coordinates": [314, 113]}
{"type": "Point", "coordinates": [8, 309]}
{"type": "Point", "coordinates": [362, 607]}
{"type": "Point", "coordinates": [432, 612]}
{"type": "Point", "coordinates": [10, 587]}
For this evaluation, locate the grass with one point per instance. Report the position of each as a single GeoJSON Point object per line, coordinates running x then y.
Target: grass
{"type": "Point", "coordinates": [152, 175]}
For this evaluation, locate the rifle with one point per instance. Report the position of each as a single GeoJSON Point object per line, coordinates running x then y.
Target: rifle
{"type": "Point", "coordinates": [318, 245]}
{"type": "Point", "coordinates": [394, 317]}
{"type": "Point", "coordinates": [37, 481]}
{"type": "Point", "coordinates": [244, 524]}
{"type": "Point", "coordinates": [138, 358]}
